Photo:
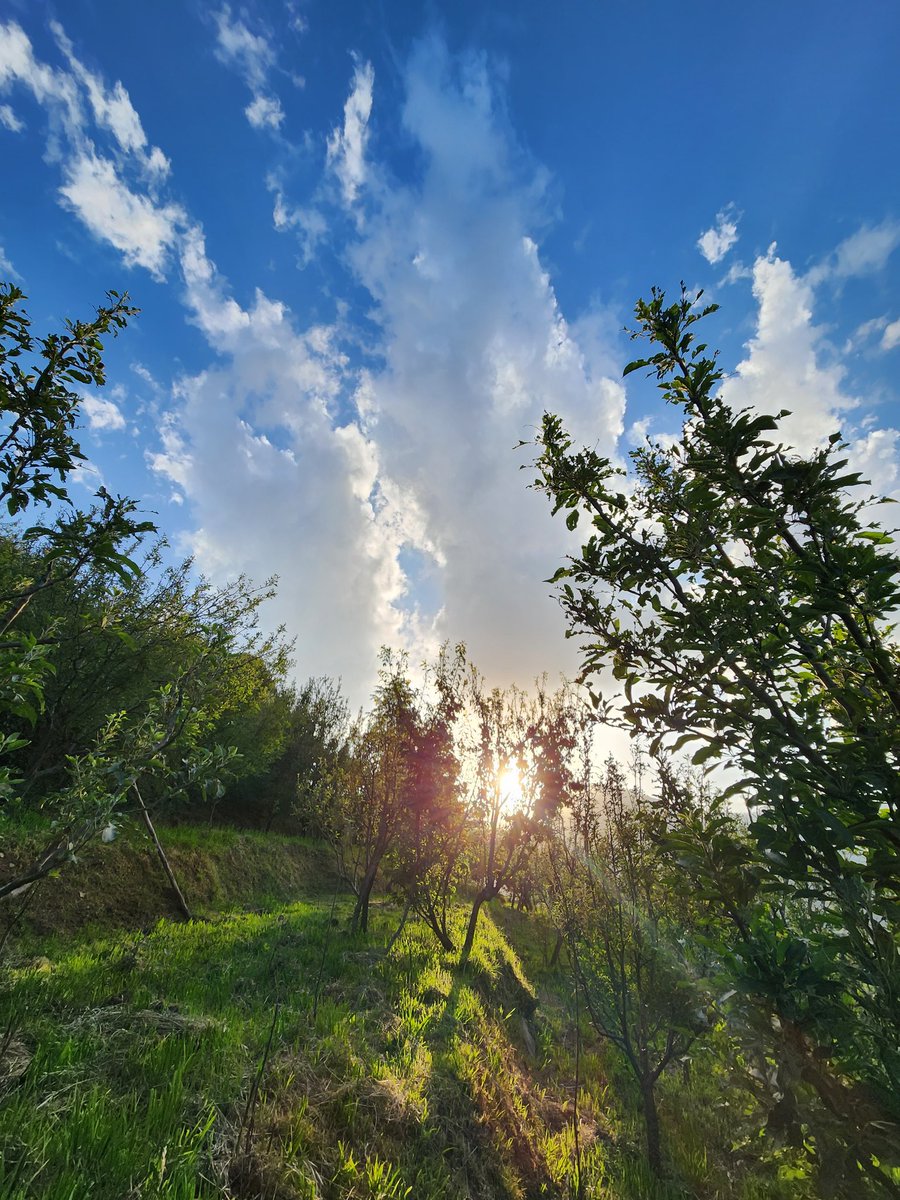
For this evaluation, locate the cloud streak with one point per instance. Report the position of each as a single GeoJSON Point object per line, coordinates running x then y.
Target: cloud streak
{"type": "Point", "coordinates": [143, 231]}
{"type": "Point", "coordinates": [9, 120]}
{"type": "Point", "coordinates": [253, 56]}
{"type": "Point", "coordinates": [865, 252]}
{"type": "Point", "coordinates": [347, 145]}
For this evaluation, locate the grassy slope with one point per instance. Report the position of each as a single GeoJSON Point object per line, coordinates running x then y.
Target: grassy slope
{"type": "Point", "coordinates": [130, 1061]}
{"type": "Point", "coordinates": [122, 886]}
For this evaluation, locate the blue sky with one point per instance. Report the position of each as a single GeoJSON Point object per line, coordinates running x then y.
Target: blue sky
{"type": "Point", "coordinates": [372, 243]}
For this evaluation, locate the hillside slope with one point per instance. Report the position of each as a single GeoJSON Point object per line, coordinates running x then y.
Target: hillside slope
{"type": "Point", "coordinates": [269, 1054]}
{"type": "Point", "coordinates": [122, 885]}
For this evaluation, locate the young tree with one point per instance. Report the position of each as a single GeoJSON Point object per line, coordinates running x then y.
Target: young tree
{"type": "Point", "coordinates": [372, 790]}
{"type": "Point", "coordinates": [39, 449]}
{"type": "Point", "coordinates": [157, 746]}
{"type": "Point", "coordinates": [430, 860]}
{"type": "Point", "coordinates": [519, 775]}
{"type": "Point", "coordinates": [314, 748]}
{"type": "Point", "coordinates": [627, 932]}
{"type": "Point", "coordinates": [114, 643]}
{"type": "Point", "coordinates": [742, 601]}
{"type": "Point", "coordinates": [800, 1048]}
{"type": "Point", "coordinates": [39, 407]}
{"type": "Point", "coordinates": [397, 785]}
{"type": "Point", "coordinates": [120, 677]}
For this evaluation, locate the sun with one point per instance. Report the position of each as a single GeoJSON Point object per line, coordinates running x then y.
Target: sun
{"type": "Point", "coordinates": [510, 784]}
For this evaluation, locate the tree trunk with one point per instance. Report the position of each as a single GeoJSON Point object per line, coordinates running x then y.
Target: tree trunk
{"type": "Point", "coordinates": [359, 922]}
{"type": "Point", "coordinates": [395, 936]}
{"type": "Point", "coordinates": [438, 928]}
{"type": "Point", "coordinates": [170, 874]}
{"type": "Point", "coordinates": [445, 939]}
{"type": "Point", "coordinates": [557, 949]}
{"type": "Point", "coordinates": [651, 1123]}
{"type": "Point", "coordinates": [481, 897]}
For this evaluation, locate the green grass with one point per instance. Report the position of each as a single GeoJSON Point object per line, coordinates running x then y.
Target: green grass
{"type": "Point", "coordinates": [388, 1077]}
{"type": "Point", "coordinates": [404, 1080]}
{"type": "Point", "coordinates": [122, 884]}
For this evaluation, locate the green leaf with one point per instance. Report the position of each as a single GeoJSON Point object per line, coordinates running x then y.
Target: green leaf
{"type": "Point", "coordinates": [706, 753]}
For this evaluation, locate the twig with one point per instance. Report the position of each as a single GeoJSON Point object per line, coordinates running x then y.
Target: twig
{"type": "Point", "coordinates": [170, 874]}
{"type": "Point", "coordinates": [249, 1117]}
{"type": "Point", "coordinates": [395, 936]}
{"type": "Point", "coordinates": [325, 943]}
{"type": "Point", "coordinates": [575, 1118]}
{"type": "Point", "coordinates": [20, 912]}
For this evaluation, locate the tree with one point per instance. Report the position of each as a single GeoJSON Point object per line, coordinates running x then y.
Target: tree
{"type": "Point", "coordinates": [431, 857]}
{"type": "Point", "coordinates": [100, 781]}
{"type": "Point", "coordinates": [38, 451]}
{"type": "Point", "coordinates": [122, 674]}
{"type": "Point", "coordinates": [742, 601]}
{"type": "Point", "coordinates": [627, 932]}
{"type": "Point", "coordinates": [141, 704]}
{"type": "Point", "coordinates": [372, 790]}
{"type": "Point", "coordinates": [294, 784]}
{"type": "Point", "coordinates": [393, 797]}
{"type": "Point", "coordinates": [520, 774]}
{"type": "Point", "coordinates": [114, 643]}
{"type": "Point", "coordinates": [38, 446]}
{"type": "Point", "coordinates": [784, 998]}
{"type": "Point", "coordinates": [39, 409]}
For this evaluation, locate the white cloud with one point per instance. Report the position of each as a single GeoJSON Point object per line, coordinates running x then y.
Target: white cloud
{"type": "Point", "coordinates": [9, 120]}
{"type": "Point", "coordinates": [876, 456]}
{"type": "Point", "coordinates": [147, 376]}
{"type": "Point", "coordinates": [891, 336]}
{"type": "Point", "coordinates": [274, 485]}
{"type": "Point", "coordinates": [784, 366]}
{"type": "Point", "coordinates": [87, 475]}
{"type": "Point", "coordinates": [789, 365]}
{"type": "Point", "coordinates": [863, 253]}
{"type": "Point", "coordinates": [143, 231]}
{"type": "Point", "coordinates": [264, 111]}
{"type": "Point", "coordinates": [236, 46]}
{"type": "Point", "coordinates": [308, 221]}
{"type": "Point", "coordinates": [361, 491]}
{"type": "Point", "coordinates": [736, 272]}
{"type": "Point", "coordinates": [17, 62]}
{"type": "Point", "coordinates": [54, 89]}
{"type": "Point", "coordinates": [112, 110]}
{"type": "Point", "coordinates": [7, 270]}
{"type": "Point", "coordinates": [391, 504]}
{"type": "Point", "coordinates": [347, 146]}
{"type": "Point", "coordinates": [279, 469]}
{"type": "Point", "coordinates": [476, 347]}
{"type": "Point", "coordinates": [253, 57]}
{"type": "Point", "coordinates": [101, 413]}
{"type": "Point", "coordinates": [217, 314]}
{"type": "Point", "coordinates": [94, 186]}
{"type": "Point", "coordinates": [864, 333]}
{"type": "Point", "coordinates": [715, 243]}
{"type": "Point", "coordinates": [296, 20]}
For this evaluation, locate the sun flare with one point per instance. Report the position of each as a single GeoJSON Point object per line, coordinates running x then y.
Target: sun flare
{"type": "Point", "coordinates": [510, 785]}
